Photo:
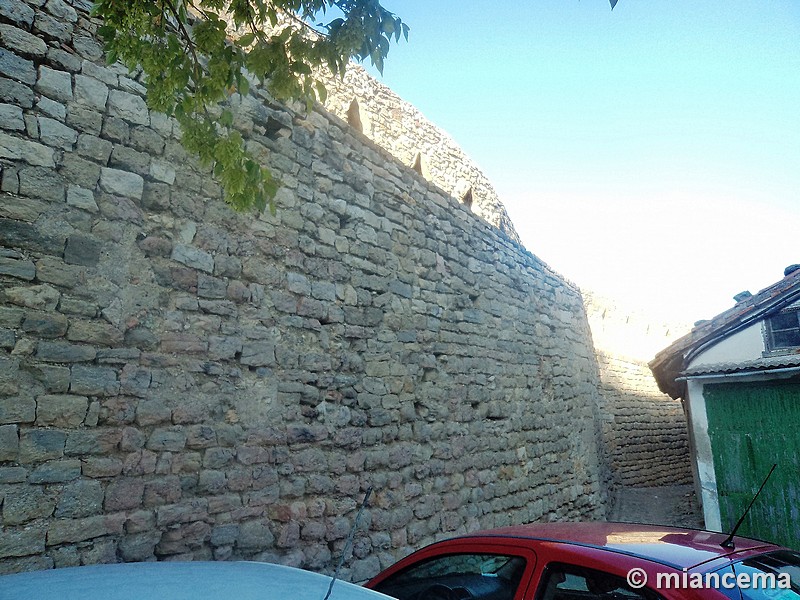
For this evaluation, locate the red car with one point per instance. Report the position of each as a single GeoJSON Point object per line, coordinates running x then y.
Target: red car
{"type": "Point", "coordinates": [594, 561]}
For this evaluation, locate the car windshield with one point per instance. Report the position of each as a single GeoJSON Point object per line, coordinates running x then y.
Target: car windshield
{"type": "Point", "coordinates": [779, 574]}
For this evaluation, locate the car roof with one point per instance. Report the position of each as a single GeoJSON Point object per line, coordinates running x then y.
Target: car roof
{"type": "Point", "coordinates": [673, 546]}
{"type": "Point", "coordinates": [179, 581]}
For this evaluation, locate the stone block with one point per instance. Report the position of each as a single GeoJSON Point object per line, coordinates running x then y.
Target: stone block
{"type": "Point", "coordinates": [88, 47]}
{"type": "Point", "coordinates": [19, 268]}
{"type": "Point", "coordinates": [36, 445]}
{"type": "Point", "coordinates": [227, 266]}
{"type": "Point", "coordinates": [66, 61]}
{"type": "Point", "coordinates": [11, 117]}
{"type": "Point", "coordinates": [8, 339]}
{"type": "Point", "coordinates": [61, 410]}
{"type": "Point", "coordinates": [162, 171]}
{"type": "Point", "coordinates": [258, 354]}
{"type": "Point", "coordinates": [100, 467]}
{"type": "Point", "coordinates": [156, 196]}
{"type": "Point", "coordinates": [200, 436]}
{"type": "Point", "coordinates": [211, 482]}
{"type": "Point", "coordinates": [140, 521]}
{"type": "Point", "coordinates": [122, 183]}
{"type": "Point", "coordinates": [92, 441]}
{"type": "Point", "coordinates": [39, 182]}
{"type": "Point", "coordinates": [45, 324]}
{"type": "Point", "coordinates": [148, 140]}
{"type": "Point", "coordinates": [63, 352]}
{"type": "Point", "coordinates": [94, 148]}
{"type": "Point", "coordinates": [13, 475]}
{"type": "Point", "coordinates": [170, 439]}
{"type": "Point", "coordinates": [22, 42]}
{"type": "Point", "coordinates": [33, 153]}
{"type": "Point", "coordinates": [82, 250]}
{"type": "Point", "coordinates": [84, 119]}
{"type": "Point", "coordinates": [165, 490]}
{"type": "Point", "coordinates": [211, 287]}
{"type": "Point", "coordinates": [91, 92]}
{"type": "Point", "coordinates": [52, 27]}
{"type": "Point", "coordinates": [17, 409]}
{"type": "Point", "coordinates": [224, 348]}
{"type": "Point", "coordinates": [152, 412]}
{"type": "Point", "coordinates": [94, 381]}
{"type": "Point", "coordinates": [9, 182]}
{"type": "Point", "coordinates": [54, 84]}
{"type": "Point", "coordinates": [53, 270]}
{"type": "Point", "coordinates": [61, 10]}
{"type": "Point", "coordinates": [127, 106]}
{"type": "Point", "coordinates": [193, 257]}
{"type": "Point", "coordinates": [124, 493]}
{"type": "Point", "coordinates": [39, 297]}
{"type": "Point", "coordinates": [118, 355]}
{"type": "Point", "coordinates": [77, 530]}
{"type": "Point", "coordinates": [224, 535]}
{"type": "Point", "coordinates": [255, 535]}
{"type": "Point", "coordinates": [81, 198]}
{"type": "Point", "coordinates": [187, 511]}
{"type": "Point", "coordinates": [94, 332]}
{"type": "Point", "coordinates": [16, 93]}
{"type": "Point", "coordinates": [80, 498]}
{"type": "Point", "coordinates": [183, 343]}
{"type": "Point", "coordinates": [16, 67]}
{"type": "Point", "coordinates": [117, 208]}
{"type": "Point", "coordinates": [298, 284]}
{"type": "Point", "coordinates": [55, 379]}
{"type": "Point", "coordinates": [9, 442]}
{"type": "Point", "coordinates": [22, 541]}
{"type": "Point", "coordinates": [128, 159]}
{"type": "Point", "coordinates": [139, 547]}
{"type": "Point", "coordinates": [24, 503]}
{"type": "Point", "coordinates": [51, 108]}
{"type": "Point", "coordinates": [55, 133]}
{"type": "Point", "coordinates": [56, 471]}
{"type": "Point", "coordinates": [79, 171]}
{"type": "Point", "coordinates": [135, 380]}
{"type": "Point", "coordinates": [17, 12]}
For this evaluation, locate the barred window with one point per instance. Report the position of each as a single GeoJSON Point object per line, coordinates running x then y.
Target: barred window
{"type": "Point", "coordinates": [783, 330]}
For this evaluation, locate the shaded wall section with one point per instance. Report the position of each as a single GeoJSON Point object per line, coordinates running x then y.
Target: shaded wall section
{"type": "Point", "coordinates": [644, 431]}
{"type": "Point", "coordinates": [181, 382]}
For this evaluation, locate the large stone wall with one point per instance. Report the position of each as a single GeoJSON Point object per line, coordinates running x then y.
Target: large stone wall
{"type": "Point", "coordinates": [178, 381]}
{"type": "Point", "coordinates": [644, 431]}
{"type": "Point", "coordinates": [403, 130]}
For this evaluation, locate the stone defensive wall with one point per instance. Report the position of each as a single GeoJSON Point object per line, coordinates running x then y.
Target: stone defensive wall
{"type": "Point", "coordinates": [179, 381]}
{"type": "Point", "coordinates": [399, 127]}
{"type": "Point", "coordinates": [644, 431]}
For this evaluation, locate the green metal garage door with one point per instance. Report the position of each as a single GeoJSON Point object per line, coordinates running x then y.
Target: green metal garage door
{"type": "Point", "coordinates": [752, 426]}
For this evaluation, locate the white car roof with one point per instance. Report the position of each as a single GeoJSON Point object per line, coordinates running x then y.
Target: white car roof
{"type": "Point", "coordinates": [179, 581]}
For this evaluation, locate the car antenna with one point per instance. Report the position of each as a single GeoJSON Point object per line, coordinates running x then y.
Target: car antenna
{"type": "Point", "coordinates": [728, 543]}
{"type": "Point", "coordinates": [349, 542]}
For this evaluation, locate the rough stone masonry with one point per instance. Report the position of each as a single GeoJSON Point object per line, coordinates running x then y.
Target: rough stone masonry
{"type": "Point", "coordinates": [178, 381]}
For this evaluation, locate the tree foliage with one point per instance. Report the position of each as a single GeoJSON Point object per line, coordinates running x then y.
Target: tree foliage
{"type": "Point", "coordinates": [191, 65]}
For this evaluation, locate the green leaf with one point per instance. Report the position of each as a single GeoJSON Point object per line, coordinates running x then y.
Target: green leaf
{"type": "Point", "coordinates": [190, 67]}
{"type": "Point", "coordinates": [322, 92]}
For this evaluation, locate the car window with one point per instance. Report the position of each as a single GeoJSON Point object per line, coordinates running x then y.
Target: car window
{"type": "Point", "coordinates": [731, 592]}
{"type": "Point", "coordinates": [458, 577]}
{"type": "Point", "coordinates": [783, 565]}
{"type": "Point", "coordinates": [571, 582]}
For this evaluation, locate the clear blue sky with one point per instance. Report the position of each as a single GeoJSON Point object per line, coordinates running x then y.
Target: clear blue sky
{"type": "Point", "coordinates": [650, 153]}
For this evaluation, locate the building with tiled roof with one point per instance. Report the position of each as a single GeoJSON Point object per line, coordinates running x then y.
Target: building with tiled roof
{"type": "Point", "coordinates": [739, 377]}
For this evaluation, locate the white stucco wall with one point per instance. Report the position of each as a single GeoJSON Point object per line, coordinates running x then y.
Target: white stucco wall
{"type": "Point", "coordinates": [704, 459]}
{"type": "Point", "coordinates": [742, 346]}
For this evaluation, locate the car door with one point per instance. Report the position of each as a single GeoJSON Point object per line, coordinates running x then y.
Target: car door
{"type": "Point", "coordinates": [460, 570]}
